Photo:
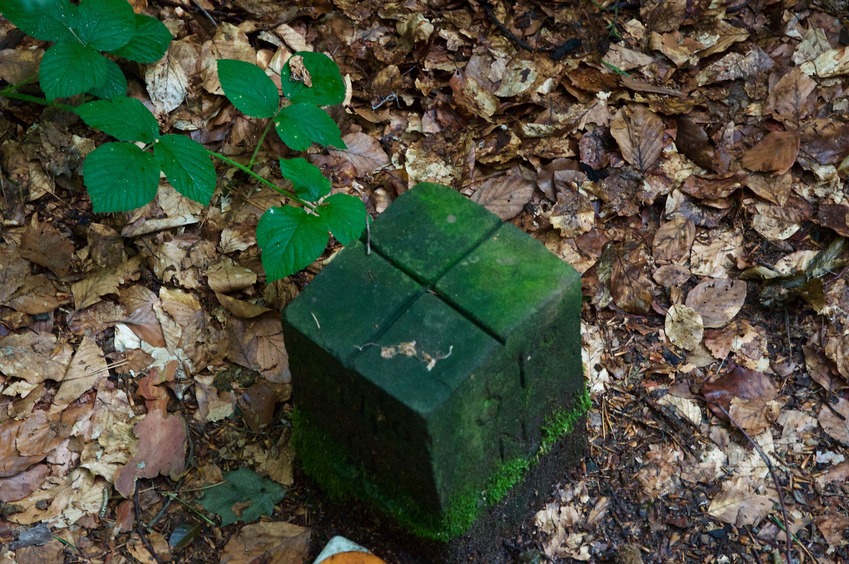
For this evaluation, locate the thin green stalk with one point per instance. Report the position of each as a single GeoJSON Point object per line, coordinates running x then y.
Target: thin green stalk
{"type": "Point", "coordinates": [260, 142]}
{"type": "Point", "coordinates": [261, 179]}
{"type": "Point", "coordinates": [10, 92]}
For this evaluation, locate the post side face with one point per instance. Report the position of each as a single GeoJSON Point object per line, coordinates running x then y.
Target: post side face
{"type": "Point", "coordinates": [437, 366]}
{"type": "Point", "coordinates": [354, 298]}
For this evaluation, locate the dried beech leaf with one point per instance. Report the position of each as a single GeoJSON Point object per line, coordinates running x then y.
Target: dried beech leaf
{"type": "Point", "coordinates": [775, 153]}
{"type": "Point", "coordinates": [775, 189]}
{"type": "Point", "coordinates": [684, 327]}
{"type": "Point", "coordinates": [694, 143]}
{"type": "Point", "coordinates": [364, 152]}
{"type": "Point", "coordinates": [629, 286]}
{"type": "Point", "coordinates": [43, 244]}
{"type": "Point", "coordinates": [835, 421]}
{"type": "Point", "coordinates": [787, 100]}
{"type": "Point", "coordinates": [505, 196]}
{"type": "Point", "coordinates": [737, 504]}
{"type": "Point", "coordinates": [639, 134]}
{"type": "Point", "coordinates": [718, 301]}
{"type": "Point", "coordinates": [673, 240]}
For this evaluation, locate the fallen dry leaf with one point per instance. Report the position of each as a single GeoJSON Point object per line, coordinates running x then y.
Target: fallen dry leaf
{"type": "Point", "coordinates": [364, 152]}
{"type": "Point", "coordinates": [43, 244]}
{"type": "Point", "coordinates": [776, 152]}
{"type": "Point", "coordinates": [639, 134]}
{"type": "Point", "coordinates": [161, 449]}
{"type": "Point", "coordinates": [737, 504]}
{"type": "Point", "coordinates": [506, 195]}
{"type": "Point", "coordinates": [278, 542]}
{"type": "Point", "coordinates": [717, 301]}
{"type": "Point", "coordinates": [684, 327]}
{"type": "Point", "coordinates": [834, 419]}
{"type": "Point", "coordinates": [741, 383]}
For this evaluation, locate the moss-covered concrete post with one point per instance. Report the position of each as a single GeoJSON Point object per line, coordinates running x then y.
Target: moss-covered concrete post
{"type": "Point", "coordinates": [435, 364]}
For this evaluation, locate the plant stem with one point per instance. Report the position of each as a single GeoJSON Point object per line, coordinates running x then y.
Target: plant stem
{"type": "Point", "coordinates": [260, 142]}
{"type": "Point", "coordinates": [261, 179]}
{"type": "Point", "coordinates": [10, 92]}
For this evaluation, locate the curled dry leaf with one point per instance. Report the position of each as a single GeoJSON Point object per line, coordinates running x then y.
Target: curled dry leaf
{"type": "Point", "coordinates": [738, 382]}
{"type": "Point", "coordinates": [718, 301]}
{"type": "Point", "coordinates": [774, 153]}
{"type": "Point", "coordinates": [363, 151]}
{"type": "Point", "coordinates": [692, 140]}
{"type": "Point", "coordinates": [737, 504]}
{"type": "Point", "coordinates": [43, 244]}
{"type": "Point", "coordinates": [573, 214]}
{"type": "Point", "coordinates": [630, 288]}
{"type": "Point", "coordinates": [505, 196]}
{"type": "Point", "coordinates": [684, 327]}
{"type": "Point", "coordinates": [639, 134]}
{"type": "Point", "coordinates": [787, 101]}
{"type": "Point", "coordinates": [673, 240]}
{"type": "Point", "coordinates": [279, 542]}
{"type": "Point", "coordinates": [834, 419]}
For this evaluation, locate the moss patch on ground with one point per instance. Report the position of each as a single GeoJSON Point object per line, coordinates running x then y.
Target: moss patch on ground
{"type": "Point", "coordinates": [324, 459]}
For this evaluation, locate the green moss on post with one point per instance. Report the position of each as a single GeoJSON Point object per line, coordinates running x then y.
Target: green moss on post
{"type": "Point", "coordinates": [328, 464]}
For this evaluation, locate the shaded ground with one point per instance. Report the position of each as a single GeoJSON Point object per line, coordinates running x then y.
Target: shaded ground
{"type": "Point", "coordinates": [689, 158]}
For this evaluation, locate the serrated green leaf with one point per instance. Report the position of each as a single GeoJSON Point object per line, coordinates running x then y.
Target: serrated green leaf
{"type": "Point", "coordinates": [69, 68]}
{"type": "Point", "coordinates": [345, 217]}
{"type": "Point", "coordinates": [123, 118]}
{"type": "Point", "coordinates": [149, 42]}
{"type": "Point", "coordinates": [105, 24]}
{"type": "Point", "coordinates": [187, 167]}
{"type": "Point", "coordinates": [248, 88]}
{"type": "Point", "coordinates": [115, 84]}
{"type": "Point", "coordinates": [299, 125]}
{"type": "Point", "coordinates": [306, 178]}
{"type": "Point", "coordinates": [290, 240]}
{"type": "Point", "coordinates": [253, 495]}
{"type": "Point", "coordinates": [120, 177]}
{"type": "Point", "coordinates": [47, 20]}
{"type": "Point", "coordinates": [327, 88]}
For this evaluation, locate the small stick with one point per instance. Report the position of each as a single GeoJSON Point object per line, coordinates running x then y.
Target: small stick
{"type": "Point", "coordinates": [772, 473]}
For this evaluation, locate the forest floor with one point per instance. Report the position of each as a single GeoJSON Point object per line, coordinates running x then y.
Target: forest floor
{"type": "Point", "coordinates": [689, 158]}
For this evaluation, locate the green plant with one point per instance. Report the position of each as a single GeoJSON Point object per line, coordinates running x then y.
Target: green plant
{"type": "Point", "coordinates": [123, 175]}
{"type": "Point", "coordinates": [74, 64]}
{"type": "Point", "coordinates": [245, 489]}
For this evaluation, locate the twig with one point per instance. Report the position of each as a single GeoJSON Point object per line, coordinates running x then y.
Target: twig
{"type": "Point", "coordinates": [556, 53]}
{"type": "Point", "coordinates": [772, 473]}
{"type": "Point", "coordinates": [140, 527]}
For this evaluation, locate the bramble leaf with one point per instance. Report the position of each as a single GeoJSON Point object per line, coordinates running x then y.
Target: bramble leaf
{"type": "Point", "coordinates": [69, 68]}
{"type": "Point", "coordinates": [327, 88]}
{"type": "Point", "coordinates": [148, 43]}
{"type": "Point", "coordinates": [248, 88]}
{"type": "Point", "coordinates": [299, 125]}
{"type": "Point", "coordinates": [115, 84]}
{"type": "Point", "coordinates": [120, 177]}
{"type": "Point", "coordinates": [105, 24]}
{"type": "Point", "coordinates": [345, 217]}
{"type": "Point", "coordinates": [125, 119]}
{"type": "Point", "coordinates": [187, 167]}
{"type": "Point", "coordinates": [243, 488]}
{"type": "Point", "coordinates": [47, 20]}
{"type": "Point", "coordinates": [306, 178]}
{"type": "Point", "coordinates": [290, 239]}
